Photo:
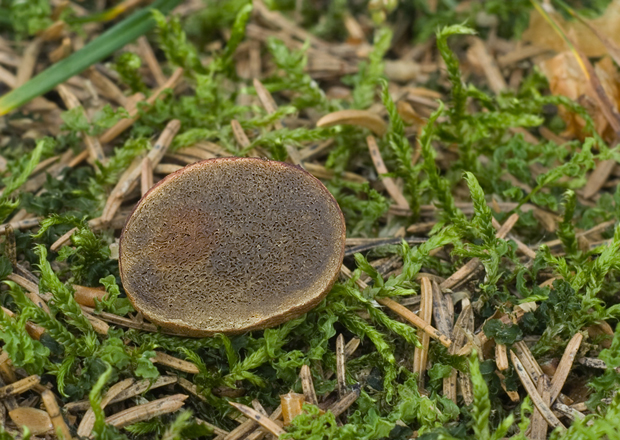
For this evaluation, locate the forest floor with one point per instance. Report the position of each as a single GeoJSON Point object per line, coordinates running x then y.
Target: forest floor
{"type": "Point", "coordinates": [472, 147]}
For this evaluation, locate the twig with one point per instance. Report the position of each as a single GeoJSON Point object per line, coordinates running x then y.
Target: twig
{"type": "Point", "coordinates": [307, 385]}
{"type": "Point", "coordinates": [51, 406]}
{"type": "Point", "coordinates": [19, 387]}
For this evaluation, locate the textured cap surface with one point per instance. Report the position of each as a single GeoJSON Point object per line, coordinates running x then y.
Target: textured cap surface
{"type": "Point", "coordinates": [231, 244]}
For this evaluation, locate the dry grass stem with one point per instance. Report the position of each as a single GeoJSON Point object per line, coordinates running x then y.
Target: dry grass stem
{"type": "Point", "coordinates": [134, 114]}
{"type": "Point", "coordinates": [343, 404]}
{"type": "Point", "coordinates": [88, 421]}
{"type": "Point", "coordinates": [538, 428]}
{"type": "Point", "coordinates": [522, 247]}
{"type": "Point", "coordinates": [564, 367]}
{"type": "Point", "coordinates": [459, 338]}
{"type": "Point", "coordinates": [122, 321]}
{"type": "Point", "coordinates": [130, 177]}
{"type": "Point", "coordinates": [63, 240]}
{"type": "Point", "coordinates": [147, 54]}
{"type": "Point", "coordinates": [216, 429]}
{"type": "Point", "coordinates": [340, 367]}
{"type": "Point", "coordinates": [265, 422]}
{"type": "Point", "coordinates": [319, 171]}
{"type": "Point", "coordinates": [598, 177]}
{"type": "Point", "coordinates": [63, 50]}
{"type": "Point", "coordinates": [403, 312]}
{"type": "Point", "coordinates": [271, 107]}
{"type": "Point", "coordinates": [166, 168]}
{"type": "Point", "coordinates": [146, 176]}
{"type": "Point", "coordinates": [443, 310]}
{"type": "Point", "coordinates": [527, 360]}
{"type": "Point", "coordinates": [529, 386]}
{"type": "Point", "coordinates": [501, 357]}
{"type": "Point", "coordinates": [593, 363]}
{"type": "Point", "coordinates": [420, 355]}
{"type": "Point", "coordinates": [191, 388]}
{"type": "Point", "coordinates": [175, 363]}
{"type": "Point", "coordinates": [479, 53]}
{"type": "Point", "coordinates": [307, 385]}
{"type": "Point", "coordinates": [261, 432]}
{"type": "Point", "coordinates": [239, 134]}
{"type": "Point", "coordinates": [32, 291]}
{"type": "Point", "coordinates": [137, 388]}
{"type": "Point", "coordinates": [472, 265]}
{"type": "Point", "coordinates": [390, 185]}
{"type": "Point", "coordinates": [106, 87]}
{"type": "Point", "coordinates": [147, 411]}
{"type": "Point", "coordinates": [567, 411]}
{"type": "Point", "coordinates": [29, 60]}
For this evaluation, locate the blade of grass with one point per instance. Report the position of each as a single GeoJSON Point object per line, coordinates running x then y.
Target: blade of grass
{"type": "Point", "coordinates": [117, 36]}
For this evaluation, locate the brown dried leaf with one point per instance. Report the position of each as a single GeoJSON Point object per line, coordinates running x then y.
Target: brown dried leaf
{"type": "Point", "coordinates": [37, 421]}
{"type": "Point", "coordinates": [566, 78]}
{"type": "Point", "coordinates": [362, 118]}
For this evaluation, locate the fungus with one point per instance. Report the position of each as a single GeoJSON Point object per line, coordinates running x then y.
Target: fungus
{"type": "Point", "coordinates": [230, 245]}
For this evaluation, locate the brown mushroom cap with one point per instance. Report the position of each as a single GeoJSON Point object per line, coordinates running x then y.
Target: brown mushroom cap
{"type": "Point", "coordinates": [230, 245]}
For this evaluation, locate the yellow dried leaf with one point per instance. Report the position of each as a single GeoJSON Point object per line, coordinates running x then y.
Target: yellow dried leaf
{"type": "Point", "coordinates": [540, 33]}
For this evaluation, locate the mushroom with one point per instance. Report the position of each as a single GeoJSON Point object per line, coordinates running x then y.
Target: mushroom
{"type": "Point", "coordinates": [230, 245]}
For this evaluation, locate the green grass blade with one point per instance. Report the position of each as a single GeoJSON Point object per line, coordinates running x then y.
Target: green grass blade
{"type": "Point", "coordinates": [113, 39]}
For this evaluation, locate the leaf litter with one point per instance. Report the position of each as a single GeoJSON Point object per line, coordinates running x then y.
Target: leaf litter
{"type": "Point", "coordinates": [478, 180]}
